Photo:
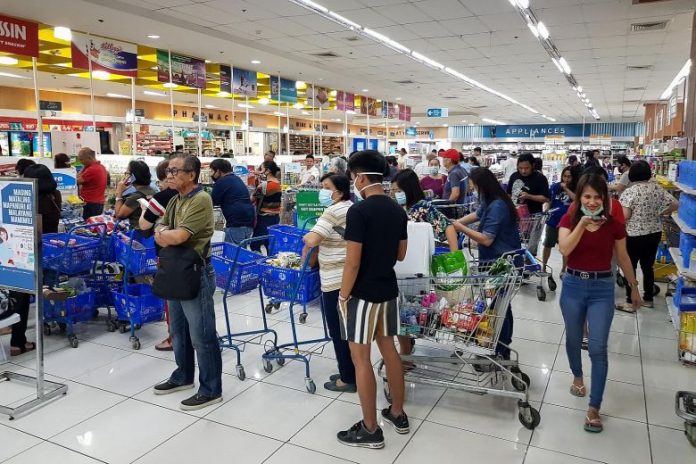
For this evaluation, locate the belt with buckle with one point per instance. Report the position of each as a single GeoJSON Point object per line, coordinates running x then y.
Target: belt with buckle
{"type": "Point", "coordinates": [586, 275]}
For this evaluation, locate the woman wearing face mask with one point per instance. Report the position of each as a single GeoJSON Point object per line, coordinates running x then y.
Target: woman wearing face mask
{"type": "Point", "coordinates": [267, 198]}
{"type": "Point", "coordinates": [434, 181]}
{"type": "Point", "coordinates": [409, 194]}
{"type": "Point", "coordinates": [498, 233]}
{"type": "Point", "coordinates": [588, 237]}
{"type": "Point", "coordinates": [327, 235]}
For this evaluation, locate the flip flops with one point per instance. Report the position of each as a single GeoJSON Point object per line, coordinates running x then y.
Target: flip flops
{"type": "Point", "coordinates": [593, 425]}
{"type": "Point", "coordinates": [17, 350]}
{"type": "Point", "coordinates": [580, 392]}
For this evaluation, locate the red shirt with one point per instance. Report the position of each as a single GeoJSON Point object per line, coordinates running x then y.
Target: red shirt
{"type": "Point", "coordinates": [595, 249]}
{"type": "Point", "coordinates": [94, 183]}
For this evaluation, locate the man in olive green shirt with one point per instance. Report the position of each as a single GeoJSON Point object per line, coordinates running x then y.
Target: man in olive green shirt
{"type": "Point", "coordinates": [188, 221]}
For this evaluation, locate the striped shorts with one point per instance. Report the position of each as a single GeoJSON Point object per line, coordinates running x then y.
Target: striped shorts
{"type": "Point", "coordinates": [362, 321]}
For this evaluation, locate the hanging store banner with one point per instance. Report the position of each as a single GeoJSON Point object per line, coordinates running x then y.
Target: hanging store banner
{"type": "Point", "coordinates": [405, 113]}
{"type": "Point", "coordinates": [19, 36]}
{"type": "Point", "coordinates": [17, 235]}
{"type": "Point", "coordinates": [368, 106]}
{"type": "Point", "coordinates": [186, 70]}
{"type": "Point", "coordinates": [225, 78]}
{"type": "Point", "coordinates": [535, 131]}
{"type": "Point", "coordinates": [286, 88]}
{"type": "Point", "coordinates": [318, 97]}
{"type": "Point", "coordinates": [107, 55]}
{"type": "Point", "coordinates": [244, 82]}
{"type": "Point", "coordinates": [345, 101]}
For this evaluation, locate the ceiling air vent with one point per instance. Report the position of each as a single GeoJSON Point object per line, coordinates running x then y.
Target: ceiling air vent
{"type": "Point", "coordinates": [405, 82]}
{"type": "Point", "coordinates": [325, 55]}
{"type": "Point", "coordinates": [633, 89]}
{"type": "Point", "coordinates": [77, 87]}
{"type": "Point", "coordinates": [353, 38]}
{"type": "Point", "coordinates": [640, 68]}
{"type": "Point", "coordinates": [632, 101]}
{"type": "Point", "coordinates": [649, 27]}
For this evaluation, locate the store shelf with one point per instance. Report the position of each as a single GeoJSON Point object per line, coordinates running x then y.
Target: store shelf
{"type": "Point", "coordinates": [682, 225]}
{"type": "Point", "coordinates": [684, 271]}
{"type": "Point", "coordinates": [673, 312]}
{"type": "Point", "coordinates": [685, 188]}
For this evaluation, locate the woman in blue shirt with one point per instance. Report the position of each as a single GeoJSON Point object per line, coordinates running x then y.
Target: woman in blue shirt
{"type": "Point", "coordinates": [562, 195]}
{"type": "Point", "coordinates": [498, 233]}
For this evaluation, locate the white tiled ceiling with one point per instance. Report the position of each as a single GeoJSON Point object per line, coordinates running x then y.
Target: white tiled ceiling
{"type": "Point", "coordinates": [485, 39]}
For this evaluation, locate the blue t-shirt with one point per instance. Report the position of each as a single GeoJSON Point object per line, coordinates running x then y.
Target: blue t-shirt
{"type": "Point", "coordinates": [457, 177]}
{"type": "Point", "coordinates": [497, 222]}
{"type": "Point", "coordinates": [232, 196]}
{"type": "Point", "coordinates": [561, 201]}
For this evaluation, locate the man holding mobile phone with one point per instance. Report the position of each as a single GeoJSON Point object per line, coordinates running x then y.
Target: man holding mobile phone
{"type": "Point", "coordinates": [529, 187]}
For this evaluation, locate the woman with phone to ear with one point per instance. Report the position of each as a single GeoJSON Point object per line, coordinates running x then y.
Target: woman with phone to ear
{"type": "Point", "coordinates": [588, 237]}
{"type": "Point", "coordinates": [134, 186]}
{"type": "Point", "coordinates": [327, 234]}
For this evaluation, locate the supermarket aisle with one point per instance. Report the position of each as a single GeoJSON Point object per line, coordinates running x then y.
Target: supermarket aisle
{"type": "Point", "coordinates": [110, 414]}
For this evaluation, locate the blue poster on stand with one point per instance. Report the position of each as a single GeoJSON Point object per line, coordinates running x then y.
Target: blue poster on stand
{"type": "Point", "coordinates": [17, 234]}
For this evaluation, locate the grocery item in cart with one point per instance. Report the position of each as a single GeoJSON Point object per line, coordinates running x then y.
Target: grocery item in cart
{"type": "Point", "coordinates": [286, 260]}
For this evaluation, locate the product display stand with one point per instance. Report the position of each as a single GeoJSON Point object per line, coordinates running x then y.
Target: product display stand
{"type": "Point", "coordinates": [45, 390]}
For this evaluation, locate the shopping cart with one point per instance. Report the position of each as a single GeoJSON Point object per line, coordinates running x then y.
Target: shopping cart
{"type": "Point", "coordinates": [294, 286]}
{"type": "Point", "coordinates": [455, 210]}
{"type": "Point", "coordinates": [531, 227]}
{"type": "Point", "coordinates": [465, 313]}
{"type": "Point", "coordinates": [237, 271]}
{"type": "Point", "coordinates": [685, 408]}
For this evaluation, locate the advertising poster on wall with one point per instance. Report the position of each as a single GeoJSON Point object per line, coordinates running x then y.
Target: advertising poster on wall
{"type": "Point", "coordinates": [17, 229]}
{"type": "Point", "coordinates": [66, 180]}
{"type": "Point", "coordinates": [368, 106]}
{"type": "Point", "coordinates": [244, 82]}
{"type": "Point", "coordinates": [186, 70]}
{"type": "Point", "coordinates": [19, 36]}
{"type": "Point", "coordinates": [225, 78]}
{"type": "Point", "coordinates": [286, 88]}
{"type": "Point", "coordinates": [106, 54]}
{"type": "Point", "coordinates": [405, 113]}
{"type": "Point", "coordinates": [345, 101]}
{"type": "Point", "coordinates": [318, 97]}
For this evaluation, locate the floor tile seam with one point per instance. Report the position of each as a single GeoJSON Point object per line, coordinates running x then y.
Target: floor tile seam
{"type": "Point", "coordinates": [613, 380]}
{"type": "Point", "coordinates": [645, 397]}
{"type": "Point", "coordinates": [309, 449]}
{"type": "Point", "coordinates": [86, 419]}
{"type": "Point", "coordinates": [546, 389]}
{"type": "Point", "coordinates": [166, 440]}
{"type": "Point", "coordinates": [432, 421]}
{"type": "Point", "coordinates": [565, 454]}
{"type": "Point", "coordinates": [55, 444]}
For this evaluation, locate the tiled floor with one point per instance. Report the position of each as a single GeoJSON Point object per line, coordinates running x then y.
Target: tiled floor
{"type": "Point", "coordinates": [110, 414]}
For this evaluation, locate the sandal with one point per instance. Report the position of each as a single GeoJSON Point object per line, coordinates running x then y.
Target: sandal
{"type": "Point", "coordinates": [593, 425]}
{"type": "Point", "coordinates": [17, 350]}
{"type": "Point", "coordinates": [625, 308]}
{"type": "Point", "coordinates": [580, 391]}
{"type": "Point", "coordinates": [165, 345]}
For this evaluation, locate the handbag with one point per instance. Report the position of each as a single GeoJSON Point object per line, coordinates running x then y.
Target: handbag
{"type": "Point", "coordinates": [179, 271]}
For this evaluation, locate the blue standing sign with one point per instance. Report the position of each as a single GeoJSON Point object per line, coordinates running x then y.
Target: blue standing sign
{"type": "Point", "coordinates": [18, 231]}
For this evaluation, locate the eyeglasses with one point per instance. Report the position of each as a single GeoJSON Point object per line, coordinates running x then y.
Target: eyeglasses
{"type": "Point", "coordinates": [175, 171]}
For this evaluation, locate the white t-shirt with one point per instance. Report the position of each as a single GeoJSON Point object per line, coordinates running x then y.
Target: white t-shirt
{"type": "Point", "coordinates": [310, 176]}
{"type": "Point", "coordinates": [510, 167]}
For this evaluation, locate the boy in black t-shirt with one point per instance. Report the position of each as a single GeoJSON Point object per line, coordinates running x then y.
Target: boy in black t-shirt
{"type": "Point", "coordinates": [368, 304]}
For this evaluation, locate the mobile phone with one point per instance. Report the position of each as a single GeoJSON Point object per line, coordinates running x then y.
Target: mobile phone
{"type": "Point", "coordinates": [130, 180]}
{"type": "Point", "coordinates": [340, 230]}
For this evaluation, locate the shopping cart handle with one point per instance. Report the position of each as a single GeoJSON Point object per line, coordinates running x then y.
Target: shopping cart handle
{"type": "Point", "coordinates": [244, 243]}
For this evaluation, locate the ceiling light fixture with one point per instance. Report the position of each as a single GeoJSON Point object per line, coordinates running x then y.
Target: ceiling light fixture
{"type": "Point", "coordinates": [493, 121]}
{"type": "Point", "coordinates": [444, 125]}
{"type": "Point", "coordinates": [170, 85]}
{"type": "Point", "coordinates": [255, 62]}
{"type": "Point", "coordinates": [223, 94]}
{"type": "Point", "coordinates": [211, 107]}
{"type": "Point", "coordinates": [564, 64]}
{"type": "Point", "coordinates": [263, 101]}
{"type": "Point", "coordinates": [533, 28]}
{"type": "Point", "coordinates": [558, 65]}
{"type": "Point", "coordinates": [345, 21]}
{"type": "Point", "coordinates": [543, 31]}
{"type": "Point", "coordinates": [682, 74]}
{"type": "Point", "coordinates": [13, 76]}
{"type": "Point", "coordinates": [101, 75]}
{"type": "Point", "coordinates": [306, 113]}
{"type": "Point", "coordinates": [116, 95]}
{"type": "Point", "coordinates": [207, 61]}
{"type": "Point", "coordinates": [396, 46]}
{"type": "Point", "coordinates": [153, 36]}
{"type": "Point", "coordinates": [398, 99]}
{"type": "Point", "coordinates": [365, 90]}
{"type": "Point", "coordinates": [300, 84]}
{"type": "Point", "coordinates": [427, 61]}
{"type": "Point", "coordinates": [154, 94]}
{"type": "Point", "coordinates": [8, 60]}
{"type": "Point", "coordinates": [244, 105]}
{"type": "Point", "coordinates": [63, 33]}
{"type": "Point", "coordinates": [278, 113]}
{"type": "Point", "coordinates": [579, 88]}
{"type": "Point", "coordinates": [298, 106]}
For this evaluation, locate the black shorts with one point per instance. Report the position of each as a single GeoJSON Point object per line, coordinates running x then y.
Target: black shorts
{"type": "Point", "coordinates": [362, 321]}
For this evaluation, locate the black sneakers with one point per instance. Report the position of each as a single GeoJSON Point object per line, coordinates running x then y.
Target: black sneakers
{"type": "Point", "coordinates": [168, 387]}
{"type": "Point", "coordinates": [199, 402]}
{"type": "Point", "coordinates": [360, 437]}
{"type": "Point", "coordinates": [400, 423]}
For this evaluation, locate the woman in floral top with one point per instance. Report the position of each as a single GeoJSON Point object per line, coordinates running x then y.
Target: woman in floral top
{"type": "Point", "coordinates": [408, 193]}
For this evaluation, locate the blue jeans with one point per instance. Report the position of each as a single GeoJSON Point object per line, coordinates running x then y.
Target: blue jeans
{"type": "Point", "coordinates": [590, 300]}
{"type": "Point", "coordinates": [261, 229]}
{"type": "Point", "coordinates": [237, 235]}
{"type": "Point", "coordinates": [505, 335]}
{"type": "Point", "coordinates": [192, 328]}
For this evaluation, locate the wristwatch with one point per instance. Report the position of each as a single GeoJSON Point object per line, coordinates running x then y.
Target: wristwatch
{"type": "Point", "coordinates": [633, 284]}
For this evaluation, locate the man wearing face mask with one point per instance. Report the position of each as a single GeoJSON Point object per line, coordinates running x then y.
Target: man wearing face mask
{"type": "Point", "coordinates": [376, 235]}
{"type": "Point", "coordinates": [456, 185]}
{"type": "Point", "coordinates": [232, 196]}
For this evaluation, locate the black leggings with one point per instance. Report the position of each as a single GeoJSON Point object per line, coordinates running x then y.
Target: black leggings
{"type": "Point", "coordinates": [19, 304]}
{"type": "Point", "coordinates": [343, 358]}
{"type": "Point", "coordinates": [642, 249]}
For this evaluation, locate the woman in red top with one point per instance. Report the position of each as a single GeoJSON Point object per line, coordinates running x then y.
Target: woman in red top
{"type": "Point", "coordinates": [589, 236]}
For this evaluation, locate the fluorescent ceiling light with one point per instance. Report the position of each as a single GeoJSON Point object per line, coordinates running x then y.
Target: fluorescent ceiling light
{"type": "Point", "coordinates": [264, 101]}
{"type": "Point", "coordinates": [313, 5]}
{"type": "Point", "coordinates": [101, 75]}
{"type": "Point", "coordinates": [154, 94]}
{"type": "Point", "coordinates": [278, 113]}
{"type": "Point", "coordinates": [244, 105]}
{"type": "Point", "coordinates": [579, 89]}
{"type": "Point", "coordinates": [63, 33]}
{"type": "Point", "coordinates": [386, 41]}
{"type": "Point", "coordinates": [427, 61]}
{"type": "Point", "coordinates": [524, 4]}
{"type": "Point", "coordinates": [210, 106]}
{"type": "Point", "coordinates": [471, 124]}
{"type": "Point", "coordinates": [350, 112]}
{"type": "Point", "coordinates": [306, 113]}
{"type": "Point", "coordinates": [223, 94]}
{"type": "Point", "coordinates": [533, 28]}
{"type": "Point", "coordinates": [558, 65]}
{"type": "Point", "coordinates": [333, 93]}
{"type": "Point", "coordinates": [493, 121]}
{"type": "Point", "coordinates": [417, 122]}
{"type": "Point", "coordinates": [170, 85]}
{"type": "Point", "coordinates": [116, 95]}
{"type": "Point", "coordinates": [345, 21]}
{"type": "Point", "coordinates": [564, 64]}
{"type": "Point", "coordinates": [543, 31]}
{"type": "Point", "coordinates": [13, 76]}
{"type": "Point", "coordinates": [8, 60]}
{"type": "Point", "coordinates": [255, 62]}
{"type": "Point", "coordinates": [338, 119]}
{"type": "Point", "coordinates": [683, 73]}
{"type": "Point", "coordinates": [153, 36]}
{"type": "Point", "coordinates": [298, 106]}
{"type": "Point", "coordinates": [444, 125]}
{"type": "Point", "coordinates": [300, 84]}
{"type": "Point", "coordinates": [365, 90]}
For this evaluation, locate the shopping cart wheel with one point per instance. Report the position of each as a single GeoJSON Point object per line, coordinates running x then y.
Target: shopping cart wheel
{"type": "Point", "coordinates": [280, 361]}
{"type": "Point", "coordinates": [541, 293]}
{"type": "Point", "coordinates": [47, 330]}
{"type": "Point", "coordinates": [551, 283]}
{"type": "Point", "coordinates": [387, 393]}
{"type": "Point", "coordinates": [520, 385]}
{"type": "Point", "coordinates": [529, 417]}
{"type": "Point", "coordinates": [122, 328]}
{"type": "Point", "coordinates": [690, 432]}
{"type": "Point", "coordinates": [656, 290]}
{"type": "Point", "coordinates": [620, 280]}
{"type": "Point", "coordinates": [267, 366]}
{"type": "Point", "coordinates": [62, 327]}
{"type": "Point", "coordinates": [74, 342]}
{"type": "Point", "coordinates": [310, 385]}
{"type": "Point", "coordinates": [110, 325]}
{"type": "Point", "coordinates": [241, 375]}
{"type": "Point", "coordinates": [303, 318]}
{"type": "Point", "coordinates": [135, 343]}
